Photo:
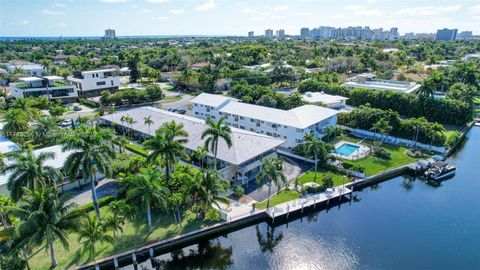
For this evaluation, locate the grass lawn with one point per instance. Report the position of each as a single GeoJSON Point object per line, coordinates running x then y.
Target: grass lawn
{"type": "Point", "coordinates": [374, 165]}
{"type": "Point", "coordinates": [169, 99]}
{"type": "Point", "coordinates": [280, 197]}
{"type": "Point", "coordinates": [137, 149]}
{"type": "Point", "coordinates": [338, 179]}
{"type": "Point", "coordinates": [134, 235]}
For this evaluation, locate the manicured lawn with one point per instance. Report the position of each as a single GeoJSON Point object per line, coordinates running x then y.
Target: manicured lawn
{"type": "Point", "coordinates": [137, 149]}
{"type": "Point", "coordinates": [280, 197]}
{"type": "Point", "coordinates": [338, 179]}
{"type": "Point", "coordinates": [374, 165]}
{"type": "Point", "coordinates": [134, 235]}
{"type": "Point", "coordinates": [170, 99]}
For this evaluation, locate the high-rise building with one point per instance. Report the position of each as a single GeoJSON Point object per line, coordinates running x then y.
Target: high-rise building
{"type": "Point", "coordinates": [251, 34]}
{"type": "Point", "coordinates": [394, 33]}
{"type": "Point", "coordinates": [109, 34]}
{"type": "Point", "coordinates": [304, 32]}
{"type": "Point", "coordinates": [269, 33]}
{"type": "Point", "coordinates": [465, 35]}
{"type": "Point", "coordinates": [351, 33]}
{"type": "Point", "coordinates": [280, 33]}
{"type": "Point", "coordinates": [446, 34]}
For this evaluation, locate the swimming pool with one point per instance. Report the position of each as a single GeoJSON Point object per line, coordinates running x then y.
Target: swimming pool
{"type": "Point", "coordinates": [346, 149]}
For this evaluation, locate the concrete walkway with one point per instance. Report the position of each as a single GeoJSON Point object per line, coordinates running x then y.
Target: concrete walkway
{"type": "Point", "coordinates": [105, 187]}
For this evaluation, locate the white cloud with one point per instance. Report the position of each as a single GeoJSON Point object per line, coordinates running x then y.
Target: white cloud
{"type": "Point", "coordinates": [249, 10]}
{"type": "Point", "coordinates": [25, 22]}
{"type": "Point", "coordinates": [206, 6]}
{"type": "Point", "coordinates": [177, 11]}
{"type": "Point", "coordinates": [360, 10]}
{"type": "Point", "coordinates": [62, 24]}
{"type": "Point", "coordinates": [338, 16]}
{"type": "Point", "coordinates": [260, 19]}
{"type": "Point", "coordinates": [284, 7]}
{"type": "Point", "coordinates": [160, 18]}
{"type": "Point", "coordinates": [304, 13]}
{"type": "Point", "coordinates": [371, 1]}
{"type": "Point", "coordinates": [157, 1]}
{"type": "Point", "coordinates": [428, 10]}
{"type": "Point", "coordinates": [474, 9]}
{"type": "Point", "coordinates": [52, 12]}
{"type": "Point", "coordinates": [146, 10]}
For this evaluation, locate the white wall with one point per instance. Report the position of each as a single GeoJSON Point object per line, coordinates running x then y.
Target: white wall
{"type": "Point", "coordinates": [91, 81]}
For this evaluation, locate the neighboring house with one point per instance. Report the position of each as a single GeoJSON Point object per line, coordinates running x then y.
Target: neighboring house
{"type": "Point", "coordinates": [90, 83]}
{"type": "Point", "coordinates": [368, 81]}
{"type": "Point", "coordinates": [61, 59]}
{"type": "Point", "coordinates": [28, 67]}
{"type": "Point", "coordinates": [239, 163]}
{"type": "Point", "coordinates": [53, 87]}
{"type": "Point", "coordinates": [7, 146]}
{"type": "Point", "coordinates": [291, 125]}
{"type": "Point", "coordinates": [471, 56]}
{"type": "Point", "coordinates": [198, 66]}
{"type": "Point", "coordinates": [57, 162]}
{"type": "Point", "coordinates": [322, 99]}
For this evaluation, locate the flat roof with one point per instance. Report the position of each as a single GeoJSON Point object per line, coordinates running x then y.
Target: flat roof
{"type": "Point", "coordinates": [7, 146]}
{"type": "Point", "coordinates": [245, 144]}
{"type": "Point", "coordinates": [397, 86]}
{"type": "Point", "coordinates": [300, 117]}
{"type": "Point", "coordinates": [99, 70]}
{"type": "Point", "coordinates": [57, 162]}
{"type": "Point", "coordinates": [211, 99]}
{"type": "Point", "coordinates": [320, 97]}
{"type": "Point", "coordinates": [30, 79]}
{"type": "Point", "coordinates": [52, 78]}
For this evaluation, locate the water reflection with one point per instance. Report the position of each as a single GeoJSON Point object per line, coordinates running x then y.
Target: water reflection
{"type": "Point", "coordinates": [269, 241]}
{"type": "Point", "coordinates": [207, 255]}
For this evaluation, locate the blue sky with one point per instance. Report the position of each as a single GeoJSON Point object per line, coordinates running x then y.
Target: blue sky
{"type": "Point", "coordinates": [227, 17]}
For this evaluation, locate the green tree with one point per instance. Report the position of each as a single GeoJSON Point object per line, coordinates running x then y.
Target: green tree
{"type": "Point", "coordinates": [167, 144]}
{"type": "Point", "coordinates": [15, 120]}
{"type": "Point", "coordinates": [319, 150]}
{"type": "Point", "coordinates": [92, 230]}
{"type": "Point", "coordinates": [29, 170]}
{"type": "Point", "coordinates": [145, 190]}
{"type": "Point", "coordinates": [5, 205]}
{"type": "Point", "coordinates": [46, 130]}
{"type": "Point", "coordinates": [213, 134]}
{"type": "Point", "coordinates": [148, 121]}
{"type": "Point", "coordinates": [212, 190]}
{"type": "Point", "coordinates": [133, 66]}
{"type": "Point", "coordinates": [46, 218]}
{"type": "Point", "coordinates": [270, 174]}
{"type": "Point", "coordinates": [90, 155]}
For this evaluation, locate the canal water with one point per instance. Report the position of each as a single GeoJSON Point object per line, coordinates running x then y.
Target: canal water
{"type": "Point", "coordinates": [403, 223]}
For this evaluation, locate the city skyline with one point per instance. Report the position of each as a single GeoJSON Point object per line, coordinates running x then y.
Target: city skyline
{"type": "Point", "coordinates": [201, 17]}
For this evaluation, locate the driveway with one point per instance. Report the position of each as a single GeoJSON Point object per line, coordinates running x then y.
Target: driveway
{"type": "Point", "coordinates": [182, 103]}
{"type": "Point", "coordinates": [83, 196]}
{"type": "Point", "coordinates": [291, 169]}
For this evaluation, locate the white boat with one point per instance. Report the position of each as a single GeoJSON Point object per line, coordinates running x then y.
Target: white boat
{"type": "Point", "coordinates": [440, 170]}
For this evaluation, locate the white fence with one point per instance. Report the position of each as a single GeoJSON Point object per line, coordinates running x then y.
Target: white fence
{"type": "Point", "coordinates": [393, 140]}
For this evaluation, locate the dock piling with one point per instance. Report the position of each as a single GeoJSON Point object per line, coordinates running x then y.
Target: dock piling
{"type": "Point", "coordinates": [115, 263]}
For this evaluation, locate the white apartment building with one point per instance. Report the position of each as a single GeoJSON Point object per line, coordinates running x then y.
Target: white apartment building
{"type": "Point", "coordinates": [91, 83]}
{"type": "Point", "coordinates": [27, 67]}
{"type": "Point", "coordinates": [291, 125]}
{"type": "Point", "coordinates": [52, 87]}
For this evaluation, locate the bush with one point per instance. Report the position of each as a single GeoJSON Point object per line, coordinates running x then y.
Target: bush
{"type": "Point", "coordinates": [88, 103]}
{"type": "Point", "coordinates": [238, 191]}
{"type": "Point", "coordinates": [212, 215]}
{"type": "Point", "coordinates": [453, 139]}
{"type": "Point", "coordinates": [316, 189]}
{"type": "Point", "coordinates": [101, 202]}
{"type": "Point", "coordinates": [354, 167]}
{"type": "Point", "coordinates": [381, 152]}
{"type": "Point", "coordinates": [414, 153]}
{"type": "Point", "coordinates": [327, 181]}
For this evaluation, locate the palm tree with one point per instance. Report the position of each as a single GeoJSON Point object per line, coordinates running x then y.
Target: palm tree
{"type": "Point", "coordinates": [120, 212]}
{"type": "Point", "coordinates": [46, 218]}
{"type": "Point", "coordinates": [270, 174]}
{"type": "Point", "coordinates": [319, 150]}
{"type": "Point", "coordinates": [148, 121]}
{"type": "Point", "coordinates": [15, 120]}
{"type": "Point", "coordinates": [167, 144]}
{"type": "Point", "coordinates": [29, 170]}
{"type": "Point", "coordinates": [213, 188]}
{"type": "Point", "coordinates": [25, 105]}
{"type": "Point", "coordinates": [90, 155]}
{"type": "Point", "coordinates": [146, 191]}
{"type": "Point", "coordinates": [122, 142]}
{"type": "Point", "coordinates": [112, 110]}
{"type": "Point", "coordinates": [213, 133]}
{"type": "Point", "coordinates": [201, 154]}
{"type": "Point", "coordinates": [5, 204]}
{"type": "Point", "coordinates": [45, 128]}
{"type": "Point", "coordinates": [92, 230]}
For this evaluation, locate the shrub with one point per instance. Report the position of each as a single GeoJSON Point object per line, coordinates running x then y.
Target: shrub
{"type": "Point", "coordinates": [327, 181]}
{"type": "Point", "coordinates": [88, 103]}
{"type": "Point", "coordinates": [238, 191]}
{"type": "Point", "coordinates": [354, 167]}
{"type": "Point", "coordinates": [212, 215]}
{"type": "Point", "coordinates": [379, 151]}
{"type": "Point", "coordinates": [316, 189]}
{"type": "Point", "coordinates": [453, 138]}
{"type": "Point", "coordinates": [101, 202]}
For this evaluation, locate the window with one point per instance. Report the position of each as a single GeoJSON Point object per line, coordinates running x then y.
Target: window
{"type": "Point", "coordinates": [299, 130]}
{"type": "Point", "coordinates": [101, 83]}
{"type": "Point", "coordinates": [284, 137]}
{"type": "Point", "coordinates": [241, 117]}
{"type": "Point", "coordinates": [269, 134]}
{"type": "Point", "coordinates": [111, 82]}
{"type": "Point", "coordinates": [252, 120]}
{"type": "Point", "coordinates": [242, 127]}
{"type": "Point", "coordinates": [298, 141]}
{"type": "Point", "coordinates": [196, 113]}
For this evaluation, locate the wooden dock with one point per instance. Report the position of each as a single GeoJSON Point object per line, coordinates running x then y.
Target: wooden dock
{"type": "Point", "coordinates": [308, 201]}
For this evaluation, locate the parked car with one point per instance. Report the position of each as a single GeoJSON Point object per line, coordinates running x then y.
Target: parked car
{"type": "Point", "coordinates": [66, 123]}
{"type": "Point", "coordinates": [177, 110]}
{"type": "Point", "coordinates": [77, 108]}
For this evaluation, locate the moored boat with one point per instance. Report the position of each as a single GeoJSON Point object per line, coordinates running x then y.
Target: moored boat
{"type": "Point", "coordinates": [440, 170]}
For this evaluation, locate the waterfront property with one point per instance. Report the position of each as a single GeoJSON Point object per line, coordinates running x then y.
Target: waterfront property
{"type": "Point", "coordinates": [52, 87]}
{"type": "Point", "coordinates": [239, 163]}
{"type": "Point", "coordinates": [92, 82]}
{"type": "Point", "coordinates": [291, 125]}
{"type": "Point", "coordinates": [368, 80]}
{"type": "Point", "coordinates": [351, 151]}
{"type": "Point", "coordinates": [322, 99]}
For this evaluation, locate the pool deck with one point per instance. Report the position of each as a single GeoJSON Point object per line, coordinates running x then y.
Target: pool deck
{"type": "Point", "coordinates": [361, 152]}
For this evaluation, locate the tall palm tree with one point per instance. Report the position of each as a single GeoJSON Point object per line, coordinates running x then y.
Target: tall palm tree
{"type": "Point", "coordinates": [148, 121]}
{"type": "Point", "coordinates": [29, 170]}
{"type": "Point", "coordinates": [92, 230]}
{"type": "Point", "coordinates": [167, 144]}
{"type": "Point", "coordinates": [146, 191]}
{"type": "Point", "coordinates": [319, 150]}
{"type": "Point", "coordinates": [122, 142]}
{"type": "Point", "coordinates": [15, 120]}
{"type": "Point", "coordinates": [201, 154]}
{"type": "Point", "coordinates": [25, 105]}
{"type": "Point", "coordinates": [120, 212]}
{"type": "Point", "coordinates": [213, 134]}
{"type": "Point", "coordinates": [46, 218]}
{"type": "Point", "coordinates": [5, 204]}
{"type": "Point", "coordinates": [270, 174]}
{"type": "Point", "coordinates": [90, 155]}
{"type": "Point", "coordinates": [213, 189]}
{"type": "Point", "coordinates": [45, 129]}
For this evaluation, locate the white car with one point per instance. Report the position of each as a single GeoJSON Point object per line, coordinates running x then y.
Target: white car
{"type": "Point", "coordinates": [66, 123]}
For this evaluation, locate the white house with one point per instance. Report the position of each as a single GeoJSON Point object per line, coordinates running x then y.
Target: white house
{"type": "Point", "coordinates": [368, 81]}
{"type": "Point", "coordinates": [322, 99]}
{"type": "Point", "coordinates": [238, 163]}
{"type": "Point", "coordinates": [91, 83]}
{"type": "Point", "coordinates": [53, 87]}
{"type": "Point", "coordinates": [291, 125]}
{"type": "Point", "coordinates": [28, 67]}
